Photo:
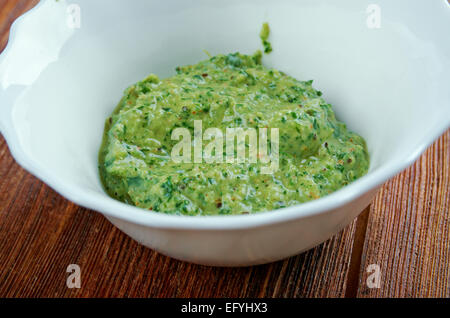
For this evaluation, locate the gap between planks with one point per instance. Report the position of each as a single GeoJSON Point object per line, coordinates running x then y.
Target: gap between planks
{"type": "Point", "coordinates": [353, 275]}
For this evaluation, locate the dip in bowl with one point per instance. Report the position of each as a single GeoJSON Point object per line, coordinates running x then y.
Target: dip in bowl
{"type": "Point", "coordinates": [61, 79]}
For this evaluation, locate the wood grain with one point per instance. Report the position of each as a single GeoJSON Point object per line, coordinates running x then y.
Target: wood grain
{"type": "Point", "coordinates": [408, 233]}
{"type": "Point", "coordinates": [41, 233]}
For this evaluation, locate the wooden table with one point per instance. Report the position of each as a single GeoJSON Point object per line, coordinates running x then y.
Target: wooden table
{"type": "Point", "coordinates": [405, 231]}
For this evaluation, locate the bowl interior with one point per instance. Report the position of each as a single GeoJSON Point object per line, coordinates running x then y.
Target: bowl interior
{"type": "Point", "coordinates": [387, 84]}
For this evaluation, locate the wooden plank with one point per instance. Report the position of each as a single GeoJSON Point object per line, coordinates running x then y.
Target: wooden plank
{"type": "Point", "coordinates": [408, 233]}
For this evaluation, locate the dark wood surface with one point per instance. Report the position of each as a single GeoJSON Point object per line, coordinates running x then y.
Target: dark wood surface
{"type": "Point", "coordinates": [405, 231]}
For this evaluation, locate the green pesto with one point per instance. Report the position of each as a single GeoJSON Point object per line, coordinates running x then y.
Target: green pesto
{"type": "Point", "coordinates": [318, 155]}
{"type": "Point", "coordinates": [264, 35]}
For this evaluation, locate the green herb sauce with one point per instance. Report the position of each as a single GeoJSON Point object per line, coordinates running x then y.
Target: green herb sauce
{"type": "Point", "coordinates": [264, 35]}
{"type": "Point", "coordinates": [317, 154]}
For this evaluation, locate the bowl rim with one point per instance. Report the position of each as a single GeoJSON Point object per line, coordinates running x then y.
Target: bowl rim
{"type": "Point", "coordinates": [135, 215]}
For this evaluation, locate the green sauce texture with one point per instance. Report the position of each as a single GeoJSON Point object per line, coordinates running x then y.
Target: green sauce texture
{"type": "Point", "coordinates": [317, 154]}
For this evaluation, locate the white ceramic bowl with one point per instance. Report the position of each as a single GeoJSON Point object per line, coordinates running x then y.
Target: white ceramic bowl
{"type": "Point", "coordinates": [59, 83]}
